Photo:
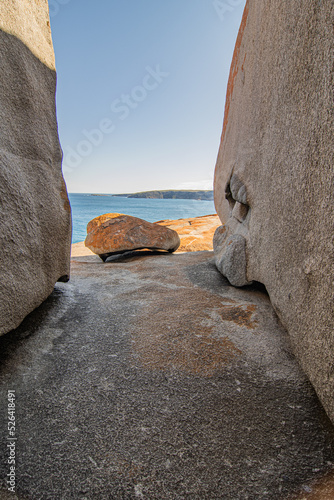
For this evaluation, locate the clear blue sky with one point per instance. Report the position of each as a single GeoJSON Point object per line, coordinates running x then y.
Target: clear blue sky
{"type": "Point", "coordinates": [141, 90]}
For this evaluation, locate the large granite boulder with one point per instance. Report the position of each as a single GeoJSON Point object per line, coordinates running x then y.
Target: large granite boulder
{"type": "Point", "coordinates": [117, 233]}
{"type": "Point", "coordinates": [35, 215]}
{"type": "Point", "coordinates": [274, 183]}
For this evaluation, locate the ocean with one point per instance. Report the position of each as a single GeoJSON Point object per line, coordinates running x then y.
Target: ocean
{"type": "Point", "coordinates": [87, 206]}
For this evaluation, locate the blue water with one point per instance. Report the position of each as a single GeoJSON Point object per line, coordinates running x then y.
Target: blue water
{"type": "Point", "coordinates": [85, 207]}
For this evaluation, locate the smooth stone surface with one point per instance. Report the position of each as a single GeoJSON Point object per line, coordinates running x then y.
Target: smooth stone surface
{"type": "Point", "coordinates": [153, 378]}
{"type": "Point", "coordinates": [117, 233]}
{"type": "Point", "coordinates": [274, 179]}
{"type": "Point", "coordinates": [80, 250]}
{"type": "Point", "coordinates": [230, 256]}
{"type": "Point", "coordinates": [29, 22]}
{"type": "Point", "coordinates": [35, 214]}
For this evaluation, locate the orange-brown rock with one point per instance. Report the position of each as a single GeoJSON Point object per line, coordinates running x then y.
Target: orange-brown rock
{"type": "Point", "coordinates": [196, 234]}
{"type": "Point", "coordinates": [117, 233]}
{"type": "Point", "coordinates": [93, 224]}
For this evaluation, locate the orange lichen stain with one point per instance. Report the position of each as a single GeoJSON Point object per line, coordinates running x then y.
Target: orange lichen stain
{"type": "Point", "coordinates": [242, 67]}
{"type": "Point", "coordinates": [241, 315]}
{"type": "Point", "coordinates": [321, 489]}
{"type": "Point", "coordinates": [196, 234]}
{"type": "Point", "coordinates": [176, 332]}
{"type": "Point", "coordinates": [101, 219]}
{"type": "Point", "coordinates": [199, 355]}
{"type": "Point", "coordinates": [234, 68]}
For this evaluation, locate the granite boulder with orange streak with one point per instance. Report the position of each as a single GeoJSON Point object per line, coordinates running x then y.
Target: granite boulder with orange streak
{"type": "Point", "coordinates": [112, 234]}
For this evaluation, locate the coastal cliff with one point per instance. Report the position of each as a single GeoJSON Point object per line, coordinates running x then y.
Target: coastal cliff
{"type": "Point", "coordinates": [171, 195]}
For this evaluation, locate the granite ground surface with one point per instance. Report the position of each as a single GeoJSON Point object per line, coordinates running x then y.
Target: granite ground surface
{"type": "Point", "coordinates": [150, 377]}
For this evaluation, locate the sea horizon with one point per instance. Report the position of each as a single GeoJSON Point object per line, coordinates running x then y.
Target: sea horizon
{"type": "Point", "coordinates": [87, 206]}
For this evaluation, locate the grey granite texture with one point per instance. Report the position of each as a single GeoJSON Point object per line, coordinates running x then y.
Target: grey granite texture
{"type": "Point", "coordinates": [151, 377]}
{"type": "Point", "coordinates": [274, 179]}
{"type": "Point", "coordinates": [35, 215]}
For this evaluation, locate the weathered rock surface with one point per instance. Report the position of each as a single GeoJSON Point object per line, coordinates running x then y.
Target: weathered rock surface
{"type": "Point", "coordinates": [95, 223]}
{"type": "Point", "coordinates": [321, 489]}
{"type": "Point", "coordinates": [118, 233]}
{"type": "Point", "coordinates": [231, 259]}
{"type": "Point", "coordinates": [153, 378]}
{"type": "Point", "coordinates": [274, 181]}
{"type": "Point", "coordinates": [35, 218]}
{"type": "Point", "coordinates": [196, 233]}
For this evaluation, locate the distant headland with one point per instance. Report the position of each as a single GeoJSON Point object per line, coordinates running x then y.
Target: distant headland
{"type": "Point", "coordinates": [171, 195]}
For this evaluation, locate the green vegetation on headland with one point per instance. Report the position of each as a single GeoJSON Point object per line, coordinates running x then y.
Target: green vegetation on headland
{"type": "Point", "coordinates": [171, 195]}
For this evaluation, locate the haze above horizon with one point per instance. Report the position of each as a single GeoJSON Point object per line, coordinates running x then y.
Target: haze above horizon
{"type": "Point", "coordinates": [141, 91]}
